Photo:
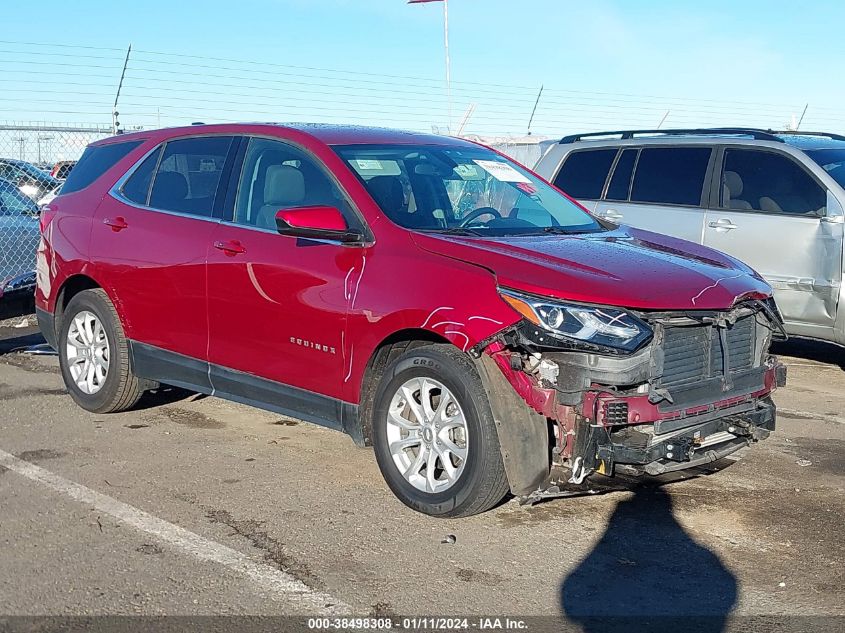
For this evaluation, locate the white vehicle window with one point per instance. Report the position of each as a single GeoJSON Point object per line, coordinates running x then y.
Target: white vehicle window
{"type": "Point", "coordinates": [671, 175]}
{"type": "Point", "coordinates": [584, 173]}
{"type": "Point", "coordinates": [768, 182]}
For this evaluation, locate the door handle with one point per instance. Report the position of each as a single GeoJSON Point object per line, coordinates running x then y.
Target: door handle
{"type": "Point", "coordinates": [612, 215]}
{"type": "Point", "coordinates": [722, 224]}
{"type": "Point", "coordinates": [116, 224]}
{"type": "Point", "coordinates": [230, 247]}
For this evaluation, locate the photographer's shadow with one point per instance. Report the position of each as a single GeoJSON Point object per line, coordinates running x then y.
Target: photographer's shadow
{"type": "Point", "coordinates": [647, 574]}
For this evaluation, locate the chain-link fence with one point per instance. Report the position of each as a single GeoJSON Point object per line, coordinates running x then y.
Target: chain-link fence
{"type": "Point", "coordinates": [34, 162]}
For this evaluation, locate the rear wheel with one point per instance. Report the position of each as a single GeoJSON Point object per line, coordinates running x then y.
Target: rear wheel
{"type": "Point", "coordinates": [434, 435]}
{"type": "Point", "coordinates": [94, 355]}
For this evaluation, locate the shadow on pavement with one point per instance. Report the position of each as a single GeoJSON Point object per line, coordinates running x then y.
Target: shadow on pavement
{"type": "Point", "coordinates": [162, 396]}
{"type": "Point", "coordinates": [12, 339]}
{"type": "Point", "coordinates": [817, 351]}
{"type": "Point", "coordinates": [647, 574]}
{"type": "Point", "coordinates": [16, 338]}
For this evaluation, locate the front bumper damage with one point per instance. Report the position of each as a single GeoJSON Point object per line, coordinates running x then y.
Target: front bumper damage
{"type": "Point", "coordinates": [699, 391]}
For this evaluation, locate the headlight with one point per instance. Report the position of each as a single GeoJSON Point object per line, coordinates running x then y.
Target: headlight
{"type": "Point", "coordinates": [595, 325]}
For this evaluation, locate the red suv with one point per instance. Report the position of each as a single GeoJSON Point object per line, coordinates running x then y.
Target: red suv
{"type": "Point", "coordinates": [425, 295]}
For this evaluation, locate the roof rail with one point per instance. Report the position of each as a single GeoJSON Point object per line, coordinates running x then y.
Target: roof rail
{"type": "Point", "coordinates": [833, 137]}
{"type": "Point", "coordinates": [756, 133]}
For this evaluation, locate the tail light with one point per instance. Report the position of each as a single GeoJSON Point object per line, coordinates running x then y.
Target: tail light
{"type": "Point", "coordinates": [46, 215]}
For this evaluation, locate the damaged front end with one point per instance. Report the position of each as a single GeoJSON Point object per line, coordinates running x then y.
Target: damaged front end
{"type": "Point", "coordinates": [631, 392]}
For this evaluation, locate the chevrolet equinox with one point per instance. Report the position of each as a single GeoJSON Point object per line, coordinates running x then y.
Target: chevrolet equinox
{"type": "Point", "coordinates": [425, 295]}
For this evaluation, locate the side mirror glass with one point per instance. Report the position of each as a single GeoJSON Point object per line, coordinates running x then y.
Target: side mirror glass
{"type": "Point", "coordinates": [317, 222]}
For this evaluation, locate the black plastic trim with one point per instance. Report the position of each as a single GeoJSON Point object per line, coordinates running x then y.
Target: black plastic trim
{"type": "Point", "coordinates": [169, 367]}
{"type": "Point", "coordinates": [624, 135]}
{"type": "Point", "coordinates": [47, 325]}
{"type": "Point", "coordinates": [161, 365]}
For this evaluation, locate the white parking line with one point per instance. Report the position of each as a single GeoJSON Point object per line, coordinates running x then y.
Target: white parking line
{"type": "Point", "coordinates": [269, 578]}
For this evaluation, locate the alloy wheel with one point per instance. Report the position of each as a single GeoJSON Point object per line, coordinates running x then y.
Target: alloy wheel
{"type": "Point", "coordinates": [427, 434]}
{"type": "Point", "coordinates": [88, 354]}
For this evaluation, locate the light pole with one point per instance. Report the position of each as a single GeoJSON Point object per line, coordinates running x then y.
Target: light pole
{"type": "Point", "coordinates": [22, 141]}
{"type": "Point", "coordinates": [43, 138]}
{"type": "Point", "coordinates": [446, 47]}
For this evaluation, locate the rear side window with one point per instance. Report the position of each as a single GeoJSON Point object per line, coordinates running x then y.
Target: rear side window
{"type": "Point", "coordinates": [584, 173]}
{"type": "Point", "coordinates": [620, 182]}
{"type": "Point", "coordinates": [188, 175]}
{"type": "Point", "coordinates": [769, 182]}
{"type": "Point", "coordinates": [137, 187]}
{"type": "Point", "coordinates": [94, 162]}
{"type": "Point", "coordinates": [671, 175]}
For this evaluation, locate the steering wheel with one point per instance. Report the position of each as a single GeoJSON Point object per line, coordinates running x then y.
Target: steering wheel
{"type": "Point", "coordinates": [477, 213]}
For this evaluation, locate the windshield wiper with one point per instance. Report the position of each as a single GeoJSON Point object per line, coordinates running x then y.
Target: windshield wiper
{"type": "Point", "coordinates": [457, 230]}
{"type": "Point", "coordinates": [559, 230]}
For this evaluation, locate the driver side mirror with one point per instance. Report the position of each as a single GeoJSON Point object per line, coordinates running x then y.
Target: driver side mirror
{"type": "Point", "coordinates": [316, 223]}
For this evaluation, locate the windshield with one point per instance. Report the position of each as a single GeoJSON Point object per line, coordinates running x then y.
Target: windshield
{"type": "Point", "coordinates": [832, 161]}
{"type": "Point", "coordinates": [462, 190]}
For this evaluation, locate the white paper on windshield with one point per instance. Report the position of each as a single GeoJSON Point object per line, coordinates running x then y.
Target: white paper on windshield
{"type": "Point", "coordinates": [501, 171]}
{"type": "Point", "coordinates": [468, 172]}
{"type": "Point", "coordinates": [368, 164]}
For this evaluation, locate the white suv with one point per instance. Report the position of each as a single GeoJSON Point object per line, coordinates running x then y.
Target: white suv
{"type": "Point", "coordinates": [772, 199]}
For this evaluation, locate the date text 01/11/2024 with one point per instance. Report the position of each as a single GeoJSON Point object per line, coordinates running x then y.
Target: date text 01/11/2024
{"type": "Point", "coordinates": [420, 623]}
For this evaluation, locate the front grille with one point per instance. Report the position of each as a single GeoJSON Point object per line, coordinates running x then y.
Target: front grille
{"type": "Point", "coordinates": [694, 353]}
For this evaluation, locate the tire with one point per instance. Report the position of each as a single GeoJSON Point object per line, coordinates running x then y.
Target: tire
{"type": "Point", "coordinates": [115, 389]}
{"type": "Point", "coordinates": [473, 484]}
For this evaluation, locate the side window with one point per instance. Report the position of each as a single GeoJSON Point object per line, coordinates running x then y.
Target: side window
{"type": "Point", "coordinates": [584, 173]}
{"type": "Point", "coordinates": [671, 175]}
{"type": "Point", "coordinates": [95, 161]}
{"type": "Point", "coordinates": [137, 187]}
{"type": "Point", "coordinates": [188, 175]}
{"type": "Point", "coordinates": [620, 182]}
{"type": "Point", "coordinates": [769, 182]}
{"type": "Point", "coordinates": [277, 176]}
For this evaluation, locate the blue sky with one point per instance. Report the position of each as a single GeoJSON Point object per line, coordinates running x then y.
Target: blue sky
{"type": "Point", "coordinates": [604, 64]}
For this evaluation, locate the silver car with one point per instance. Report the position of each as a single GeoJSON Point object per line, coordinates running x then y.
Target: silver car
{"type": "Point", "coordinates": [772, 199]}
{"type": "Point", "coordinates": [19, 234]}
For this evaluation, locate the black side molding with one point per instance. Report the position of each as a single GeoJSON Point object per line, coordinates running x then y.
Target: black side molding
{"type": "Point", "coordinates": [154, 363]}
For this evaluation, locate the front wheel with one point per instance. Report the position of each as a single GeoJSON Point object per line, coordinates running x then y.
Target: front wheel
{"type": "Point", "coordinates": [434, 435]}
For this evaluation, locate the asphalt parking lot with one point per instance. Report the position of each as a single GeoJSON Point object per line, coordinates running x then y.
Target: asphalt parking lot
{"type": "Point", "coordinates": [192, 505]}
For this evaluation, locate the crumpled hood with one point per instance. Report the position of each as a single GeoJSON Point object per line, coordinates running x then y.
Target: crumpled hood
{"type": "Point", "coordinates": [625, 267]}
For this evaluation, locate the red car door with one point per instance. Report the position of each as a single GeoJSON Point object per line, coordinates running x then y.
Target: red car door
{"type": "Point", "coordinates": [149, 243]}
{"type": "Point", "coordinates": [277, 304]}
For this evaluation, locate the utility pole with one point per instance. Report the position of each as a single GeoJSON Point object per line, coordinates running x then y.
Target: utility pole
{"type": "Point", "coordinates": [797, 125]}
{"type": "Point", "coordinates": [448, 62]}
{"type": "Point", "coordinates": [114, 112]}
{"type": "Point", "coordinates": [22, 141]}
{"type": "Point", "coordinates": [39, 139]}
{"type": "Point", "coordinates": [446, 48]}
{"type": "Point", "coordinates": [465, 120]}
{"type": "Point", "coordinates": [534, 110]}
